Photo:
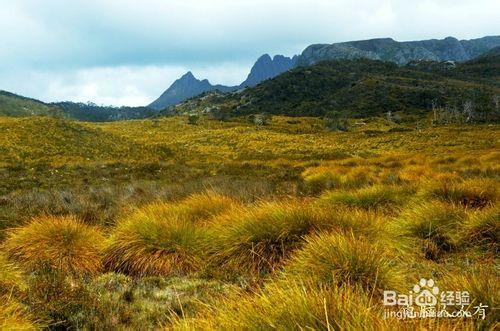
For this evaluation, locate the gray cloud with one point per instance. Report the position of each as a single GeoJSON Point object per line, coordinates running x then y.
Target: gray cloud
{"type": "Point", "coordinates": [66, 46]}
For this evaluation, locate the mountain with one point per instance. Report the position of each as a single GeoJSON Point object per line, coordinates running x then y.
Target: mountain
{"type": "Point", "coordinates": [184, 88]}
{"type": "Point", "coordinates": [489, 56]}
{"type": "Point", "coordinates": [364, 88]}
{"type": "Point", "coordinates": [387, 49]}
{"type": "Point", "coordinates": [267, 67]}
{"type": "Point", "coordinates": [94, 113]}
{"type": "Point", "coordinates": [188, 86]}
{"type": "Point", "coordinates": [18, 106]}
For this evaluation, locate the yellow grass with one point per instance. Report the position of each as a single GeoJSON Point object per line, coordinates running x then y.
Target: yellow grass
{"type": "Point", "coordinates": [306, 225]}
{"type": "Point", "coordinates": [61, 243]}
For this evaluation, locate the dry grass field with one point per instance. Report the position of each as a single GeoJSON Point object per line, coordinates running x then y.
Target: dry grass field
{"type": "Point", "coordinates": [159, 224]}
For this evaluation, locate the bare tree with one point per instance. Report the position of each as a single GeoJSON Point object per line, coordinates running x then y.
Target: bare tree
{"type": "Point", "coordinates": [388, 116]}
{"type": "Point", "coordinates": [468, 111]}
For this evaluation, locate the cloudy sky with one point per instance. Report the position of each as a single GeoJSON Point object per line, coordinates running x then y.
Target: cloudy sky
{"type": "Point", "coordinates": [126, 52]}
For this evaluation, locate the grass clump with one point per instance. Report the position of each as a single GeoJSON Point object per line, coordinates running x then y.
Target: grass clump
{"type": "Point", "coordinates": [155, 241]}
{"type": "Point", "coordinates": [61, 243]}
{"type": "Point", "coordinates": [258, 239]}
{"type": "Point", "coordinates": [434, 224]}
{"type": "Point", "coordinates": [482, 229]}
{"type": "Point", "coordinates": [14, 316]}
{"type": "Point", "coordinates": [11, 277]}
{"type": "Point", "coordinates": [341, 259]}
{"type": "Point", "coordinates": [483, 285]}
{"type": "Point", "coordinates": [381, 198]}
{"type": "Point", "coordinates": [290, 306]}
{"type": "Point", "coordinates": [319, 179]}
{"type": "Point", "coordinates": [204, 206]}
{"type": "Point", "coordinates": [472, 193]}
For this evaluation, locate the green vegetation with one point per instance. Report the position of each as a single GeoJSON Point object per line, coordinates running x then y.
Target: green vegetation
{"type": "Point", "coordinates": [153, 224]}
{"type": "Point", "coordinates": [18, 106]}
{"type": "Point", "coordinates": [336, 90]}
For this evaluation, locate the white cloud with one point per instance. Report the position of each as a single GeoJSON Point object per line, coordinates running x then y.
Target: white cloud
{"type": "Point", "coordinates": [124, 85]}
{"type": "Point", "coordinates": [125, 51]}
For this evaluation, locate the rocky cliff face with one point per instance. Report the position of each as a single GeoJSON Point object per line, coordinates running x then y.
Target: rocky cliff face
{"type": "Point", "coordinates": [188, 86]}
{"type": "Point", "coordinates": [184, 88]}
{"type": "Point", "coordinates": [267, 67]}
{"type": "Point", "coordinates": [387, 49]}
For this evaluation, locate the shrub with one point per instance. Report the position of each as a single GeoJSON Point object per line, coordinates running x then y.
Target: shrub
{"type": "Point", "coordinates": [61, 243]}
{"type": "Point", "coordinates": [154, 241]}
{"type": "Point", "coordinates": [193, 119]}
{"type": "Point", "coordinates": [384, 198]}
{"type": "Point", "coordinates": [341, 259]}
{"type": "Point", "coordinates": [337, 124]}
{"type": "Point", "coordinates": [148, 302]}
{"type": "Point", "coordinates": [59, 298]}
{"type": "Point", "coordinates": [434, 224]}
{"type": "Point", "coordinates": [473, 193]}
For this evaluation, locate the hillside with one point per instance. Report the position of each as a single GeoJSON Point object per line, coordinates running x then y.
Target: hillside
{"type": "Point", "coordinates": [361, 88]}
{"type": "Point", "coordinates": [13, 105]}
{"type": "Point", "coordinates": [93, 113]}
{"type": "Point", "coordinates": [17, 106]}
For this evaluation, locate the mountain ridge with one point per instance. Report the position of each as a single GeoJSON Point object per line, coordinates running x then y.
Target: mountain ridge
{"type": "Point", "coordinates": [360, 88]}
{"type": "Point", "coordinates": [384, 49]}
{"type": "Point", "coordinates": [388, 49]}
{"type": "Point", "coordinates": [189, 86]}
{"type": "Point", "coordinates": [184, 88]}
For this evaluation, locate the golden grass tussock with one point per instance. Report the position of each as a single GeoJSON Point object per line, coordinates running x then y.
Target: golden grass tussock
{"type": "Point", "coordinates": [62, 243]}
{"type": "Point", "coordinates": [417, 172]}
{"type": "Point", "coordinates": [290, 306]}
{"type": "Point", "coordinates": [258, 239]}
{"type": "Point", "coordinates": [15, 317]}
{"type": "Point", "coordinates": [318, 179]}
{"type": "Point", "coordinates": [339, 259]}
{"type": "Point", "coordinates": [473, 193]}
{"type": "Point", "coordinates": [386, 198]}
{"type": "Point", "coordinates": [155, 241]}
{"type": "Point", "coordinates": [483, 286]}
{"type": "Point", "coordinates": [482, 229]}
{"type": "Point", "coordinates": [11, 277]}
{"type": "Point", "coordinates": [204, 206]}
{"type": "Point", "coordinates": [434, 224]}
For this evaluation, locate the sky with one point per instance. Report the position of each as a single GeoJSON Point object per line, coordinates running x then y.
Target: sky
{"type": "Point", "coordinates": [127, 52]}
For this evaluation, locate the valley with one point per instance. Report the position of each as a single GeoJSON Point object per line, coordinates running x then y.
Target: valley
{"type": "Point", "coordinates": [352, 187]}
